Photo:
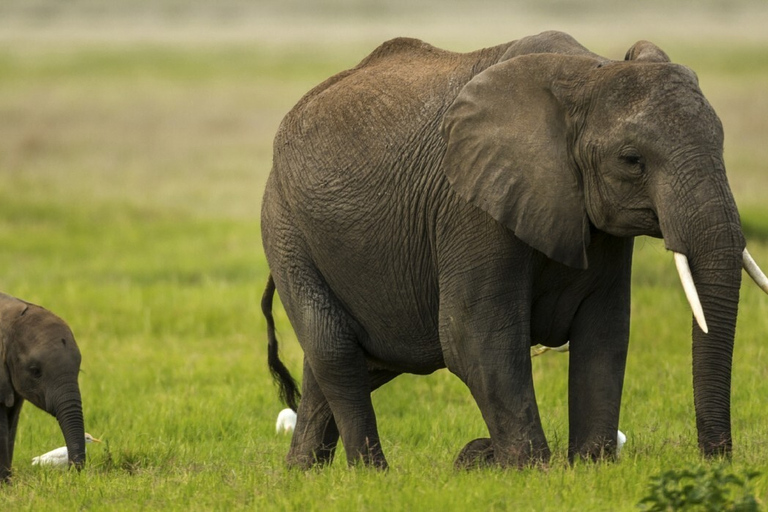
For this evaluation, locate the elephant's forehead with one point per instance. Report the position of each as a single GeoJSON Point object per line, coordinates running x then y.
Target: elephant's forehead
{"type": "Point", "coordinates": [660, 99]}
{"type": "Point", "coordinates": [626, 84]}
{"type": "Point", "coordinates": [44, 325]}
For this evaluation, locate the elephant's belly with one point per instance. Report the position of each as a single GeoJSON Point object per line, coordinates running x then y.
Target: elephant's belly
{"type": "Point", "coordinates": [388, 286]}
{"type": "Point", "coordinates": [396, 321]}
{"type": "Point", "coordinates": [415, 356]}
{"type": "Point", "coordinates": [399, 338]}
{"type": "Point", "coordinates": [551, 319]}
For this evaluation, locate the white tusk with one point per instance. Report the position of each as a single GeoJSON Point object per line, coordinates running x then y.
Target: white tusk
{"type": "Point", "coordinates": [681, 262]}
{"type": "Point", "coordinates": [754, 271]}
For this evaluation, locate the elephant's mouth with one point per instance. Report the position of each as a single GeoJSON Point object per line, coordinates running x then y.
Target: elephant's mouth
{"type": "Point", "coordinates": [655, 223]}
{"type": "Point", "coordinates": [638, 221]}
{"type": "Point", "coordinates": [652, 222]}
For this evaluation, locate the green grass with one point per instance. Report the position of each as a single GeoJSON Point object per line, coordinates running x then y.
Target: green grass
{"type": "Point", "coordinates": [130, 182]}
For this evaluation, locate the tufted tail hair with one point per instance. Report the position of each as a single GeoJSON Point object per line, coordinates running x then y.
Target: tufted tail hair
{"type": "Point", "coordinates": [289, 390]}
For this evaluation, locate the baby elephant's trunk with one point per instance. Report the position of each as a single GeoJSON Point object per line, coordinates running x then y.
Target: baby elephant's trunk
{"type": "Point", "coordinates": [69, 413]}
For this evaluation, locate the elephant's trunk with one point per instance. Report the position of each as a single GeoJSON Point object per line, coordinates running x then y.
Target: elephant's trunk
{"type": "Point", "coordinates": [708, 232]}
{"type": "Point", "coordinates": [718, 277]}
{"type": "Point", "coordinates": [69, 413]}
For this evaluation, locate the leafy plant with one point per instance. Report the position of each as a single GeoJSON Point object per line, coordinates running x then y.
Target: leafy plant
{"type": "Point", "coordinates": [705, 489]}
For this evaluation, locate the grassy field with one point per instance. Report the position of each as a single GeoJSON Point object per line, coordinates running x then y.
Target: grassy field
{"type": "Point", "coordinates": [130, 180]}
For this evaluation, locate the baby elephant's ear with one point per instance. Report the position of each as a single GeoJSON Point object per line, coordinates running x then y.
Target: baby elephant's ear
{"type": "Point", "coordinates": [508, 152]}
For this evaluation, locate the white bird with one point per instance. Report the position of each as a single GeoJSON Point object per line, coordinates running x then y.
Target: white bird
{"type": "Point", "coordinates": [59, 457]}
{"type": "Point", "coordinates": [537, 350]}
{"type": "Point", "coordinates": [286, 421]}
{"type": "Point", "coordinates": [620, 440]}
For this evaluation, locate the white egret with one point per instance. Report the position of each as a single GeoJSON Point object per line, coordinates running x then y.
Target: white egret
{"type": "Point", "coordinates": [59, 457]}
{"type": "Point", "coordinates": [537, 350]}
{"type": "Point", "coordinates": [286, 421]}
{"type": "Point", "coordinates": [620, 440]}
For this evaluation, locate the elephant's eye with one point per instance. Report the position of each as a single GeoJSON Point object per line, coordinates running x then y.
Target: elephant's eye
{"type": "Point", "coordinates": [35, 371]}
{"type": "Point", "coordinates": [632, 157]}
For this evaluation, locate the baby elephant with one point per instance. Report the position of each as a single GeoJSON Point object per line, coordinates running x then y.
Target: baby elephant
{"type": "Point", "coordinates": [39, 362]}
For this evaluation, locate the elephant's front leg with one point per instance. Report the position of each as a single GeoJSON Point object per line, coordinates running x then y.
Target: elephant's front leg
{"type": "Point", "coordinates": [9, 420]}
{"type": "Point", "coordinates": [598, 355]}
{"type": "Point", "coordinates": [6, 444]}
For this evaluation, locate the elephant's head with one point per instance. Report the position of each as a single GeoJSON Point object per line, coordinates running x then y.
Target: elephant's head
{"type": "Point", "coordinates": [554, 146]}
{"type": "Point", "coordinates": [40, 363]}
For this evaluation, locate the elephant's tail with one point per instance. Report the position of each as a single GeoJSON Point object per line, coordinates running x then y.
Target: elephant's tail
{"type": "Point", "coordinates": [289, 390]}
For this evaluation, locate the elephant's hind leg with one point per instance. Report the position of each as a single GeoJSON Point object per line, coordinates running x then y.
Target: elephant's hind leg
{"type": "Point", "coordinates": [486, 337]}
{"type": "Point", "coordinates": [316, 435]}
{"type": "Point", "coordinates": [338, 365]}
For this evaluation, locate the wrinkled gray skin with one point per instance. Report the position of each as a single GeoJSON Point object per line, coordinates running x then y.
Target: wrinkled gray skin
{"type": "Point", "coordinates": [430, 209]}
{"type": "Point", "coordinates": [40, 363]}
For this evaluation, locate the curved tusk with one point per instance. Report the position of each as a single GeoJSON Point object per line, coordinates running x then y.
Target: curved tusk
{"type": "Point", "coordinates": [754, 271]}
{"type": "Point", "coordinates": [684, 270]}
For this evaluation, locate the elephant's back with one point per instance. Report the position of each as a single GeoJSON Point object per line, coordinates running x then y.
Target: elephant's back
{"type": "Point", "coordinates": [397, 73]}
{"type": "Point", "coordinates": [362, 145]}
{"type": "Point", "coordinates": [377, 122]}
{"type": "Point", "coordinates": [357, 171]}
{"type": "Point", "coordinates": [394, 93]}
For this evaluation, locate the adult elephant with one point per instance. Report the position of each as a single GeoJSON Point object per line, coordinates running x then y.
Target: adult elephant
{"type": "Point", "coordinates": [429, 209]}
{"type": "Point", "coordinates": [39, 362]}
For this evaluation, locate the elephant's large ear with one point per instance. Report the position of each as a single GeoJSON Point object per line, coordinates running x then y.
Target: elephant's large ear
{"type": "Point", "coordinates": [507, 137]}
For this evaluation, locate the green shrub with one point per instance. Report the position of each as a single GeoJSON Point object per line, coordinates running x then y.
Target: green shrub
{"type": "Point", "coordinates": [706, 489]}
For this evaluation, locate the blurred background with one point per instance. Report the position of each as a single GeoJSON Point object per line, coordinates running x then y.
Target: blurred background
{"type": "Point", "coordinates": [326, 21]}
{"type": "Point", "coordinates": [174, 103]}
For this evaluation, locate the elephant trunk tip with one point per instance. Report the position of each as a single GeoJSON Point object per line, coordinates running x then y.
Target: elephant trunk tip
{"type": "Point", "coordinates": [70, 418]}
{"type": "Point", "coordinates": [76, 454]}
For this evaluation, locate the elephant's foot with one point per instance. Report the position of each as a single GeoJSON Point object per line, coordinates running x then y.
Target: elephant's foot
{"type": "Point", "coordinates": [481, 453]}
{"type": "Point", "coordinates": [302, 460]}
{"type": "Point", "coordinates": [369, 455]}
{"type": "Point", "coordinates": [594, 452]}
{"type": "Point", "coordinates": [476, 454]}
